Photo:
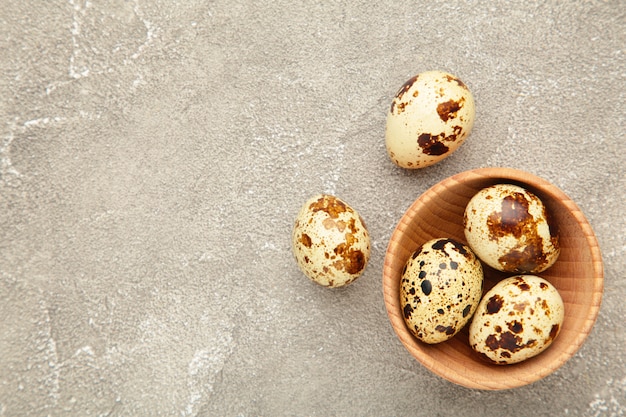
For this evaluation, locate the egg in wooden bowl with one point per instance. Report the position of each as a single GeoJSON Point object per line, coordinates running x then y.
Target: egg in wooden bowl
{"type": "Point", "coordinates": [577, 274]}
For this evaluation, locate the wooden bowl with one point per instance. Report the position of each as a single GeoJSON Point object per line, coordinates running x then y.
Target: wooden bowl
{"type": "Point", "coordinates": [577, 275]}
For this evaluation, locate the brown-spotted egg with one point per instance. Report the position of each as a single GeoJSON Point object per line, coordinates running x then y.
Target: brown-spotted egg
{"type": "Point", "coordinates": [440, 288]}
{"type": "Point", "coordinates": [330, 241]}
{"type": "Point", "coordinates": [430, 117]}
{"type": "Point", "coordinates": [516, 320]}
{"type": "Point", "coordinates": [509, 228]}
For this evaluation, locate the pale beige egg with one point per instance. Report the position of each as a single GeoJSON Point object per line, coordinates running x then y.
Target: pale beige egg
{"type": "Point", "coordinates": [440, 288]}
{"type": "Point", "coordinates": [430, 117]}
{"type": "Point", "coordinates": [516, 320]}
{"type": "Point", "coordinates": [330, 241]}
{"type": "Point", "coordinates": [511, 230]}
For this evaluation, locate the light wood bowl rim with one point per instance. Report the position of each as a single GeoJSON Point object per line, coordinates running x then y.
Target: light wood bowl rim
{"type": "Point", "coordinates": [471, 375]}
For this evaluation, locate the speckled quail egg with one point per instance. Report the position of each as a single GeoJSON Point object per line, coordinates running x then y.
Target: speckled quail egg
{"type": "Point", "coordinates": [330, 241]}
{"type": "Point", "coordinates": [510, 229]}
{"type": "Point", "coordinates": [516, 320]}
{"type": "Point", "coordinates": [440, 289]}
{"type": "Point", "coordinates": [430, 117]}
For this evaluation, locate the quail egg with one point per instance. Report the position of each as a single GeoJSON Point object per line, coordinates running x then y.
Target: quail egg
{"type": "Point", "coordinates": [430, 116]}
{"type": "Point", "coordinates": [510, 229]}
{"type": "Point", "coordinates": [330, 241]}
{"type": "Point", "coordinates": [440, 288]}
{"type": "Point", "coordinates": [516, 320]}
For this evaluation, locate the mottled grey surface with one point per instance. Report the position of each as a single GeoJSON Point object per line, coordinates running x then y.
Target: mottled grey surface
{"type": "Point", "coordinates": [153, 156]}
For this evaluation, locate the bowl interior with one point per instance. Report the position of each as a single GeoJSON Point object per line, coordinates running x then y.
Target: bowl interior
{"type": "Point", "coordinates": [577, 274]}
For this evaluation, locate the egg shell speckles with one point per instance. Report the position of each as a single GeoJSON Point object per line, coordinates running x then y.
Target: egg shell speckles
{"type": "Point", "coordinates": [440, 289]}
{"type": "Point", "coordinates": [516, 320]}
{"type": "Point", "coordinates": [510, 229]}
{"type": "Point", "coordinates": [330, 241]}
{"type": "Point", "coordinates": [430, 116]}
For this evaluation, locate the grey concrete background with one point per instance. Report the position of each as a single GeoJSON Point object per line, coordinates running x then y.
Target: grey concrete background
{"type": "Point", "coordinates": [153, 156]}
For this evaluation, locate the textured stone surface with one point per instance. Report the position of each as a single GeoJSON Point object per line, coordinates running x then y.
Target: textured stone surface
{"type": "Point", "coordinates": [153, 157]}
